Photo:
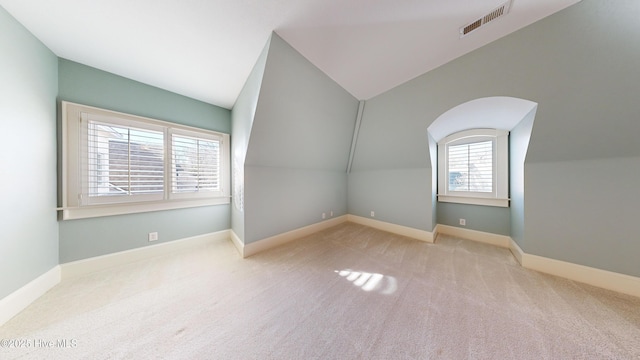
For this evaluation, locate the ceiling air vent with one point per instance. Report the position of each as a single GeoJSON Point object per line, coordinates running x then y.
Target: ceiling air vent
{"type": "Point", "coordinates": [496, 13]}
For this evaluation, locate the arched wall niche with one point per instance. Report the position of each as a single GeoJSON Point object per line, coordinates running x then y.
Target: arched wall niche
{"type": "Point", "coordinates": [499, 112]}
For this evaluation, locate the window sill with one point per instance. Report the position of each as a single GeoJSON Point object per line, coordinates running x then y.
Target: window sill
{"type": "Point", "coordinates": [474, 200]}
{"type": "Point", "coordinates": [91, 211]}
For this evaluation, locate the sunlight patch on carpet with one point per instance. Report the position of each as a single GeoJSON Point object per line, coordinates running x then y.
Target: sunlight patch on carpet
{"type": "Point", "coordinates": [368, 282]}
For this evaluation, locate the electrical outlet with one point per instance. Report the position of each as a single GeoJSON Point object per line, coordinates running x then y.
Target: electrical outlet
{"type": "Point", "coordinates": [153, 236]}
{"type": "Point", "coordinates": [324, 215]}
{"type": "Point", "coordinates": [373, 213]}
{"type": "Point", "coordinates": [463, 222]}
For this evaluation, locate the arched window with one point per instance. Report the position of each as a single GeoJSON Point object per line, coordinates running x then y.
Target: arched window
{"type": "Point", "coordinates": [464, 129]}
{"type": "Point", "coordinates": [473, 167]}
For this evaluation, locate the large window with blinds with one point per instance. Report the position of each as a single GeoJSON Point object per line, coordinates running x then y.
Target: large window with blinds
{"type": "Point", "coordinates": [473, 168]}
{"type": "Point", "coordinates": [115, 163]}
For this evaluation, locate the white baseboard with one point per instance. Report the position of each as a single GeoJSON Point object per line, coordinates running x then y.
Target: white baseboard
{"type": "Point", "coordinates": [90, 265]}
{"type": "Point", "coordinates": [422, 235]}
{"type": "Point", "coordinates": [273, 241]}
{"type": "Point", "coordinates": [235, 239]}
{"type": "Point", "coordinates": [621, 283]}
{"type": "Point", "coordinates": [604, 279]}
{"type": "Point", "coordinates": [18, 300]}
{"type": "Point", "coordinates": [479, 236]}
{"type": "Point", "coordinates": [516, 251]}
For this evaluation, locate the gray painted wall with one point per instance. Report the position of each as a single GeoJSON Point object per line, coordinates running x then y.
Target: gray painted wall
{"type": "Point", "coordinates": [583, 159]}
{"type": "Point", "coordinates": [519, 139]}
{"type": "Point", "coordinates": [580, 66]}
{"type": "Point", "coordinates": [391, 170]}
{"type": "Point", "coordinates": [591, 218]}
{"type": "Point", "coordinates": [296, 160]}
{"type": "Point", "coordinates": [279, 200]}
{"type": "Point", "coordinates": [84, 238]}
{"type": "Point", "coordinates": [80, 239]}
{"type": "Point", "coordinates": [395, 196]}
{"type": "Point", "coordinates": [433, 154]}
{"type": "Point", "coordinates": [242, 116]}
{"type": "Point", "coordinates": [90, 86]}
{"type": "Point", "coordinates": [29, 241]}
{"type": "Point", "coordinates": [491, 219]}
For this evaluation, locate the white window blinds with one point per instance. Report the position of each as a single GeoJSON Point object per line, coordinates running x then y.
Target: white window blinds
{"type": "Point", "coordinates": [195, 164]}
{"type": "Point", "coordinates": [124, 160]}
{"type": "Point", "coordinates": [471, 167]}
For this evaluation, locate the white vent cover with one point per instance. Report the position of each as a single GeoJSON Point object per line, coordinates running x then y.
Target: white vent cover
{"type": "Point", "coordinates": [496, 13]}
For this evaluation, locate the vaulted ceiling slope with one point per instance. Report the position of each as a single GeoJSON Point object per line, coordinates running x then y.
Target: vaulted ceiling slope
{"type": "Point", "coordinates": [205, 49]}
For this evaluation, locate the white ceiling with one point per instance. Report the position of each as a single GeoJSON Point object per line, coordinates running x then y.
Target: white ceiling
{"type": "Point", "coordinates": [205, 49]}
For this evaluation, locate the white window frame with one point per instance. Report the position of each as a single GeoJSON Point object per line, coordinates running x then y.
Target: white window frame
{"type": "Point", "coordinates": [76, 204]}
{"type": "Point", "coordinates": [499, 196]}
{"type": "Point", "coordinates": [197, 135]}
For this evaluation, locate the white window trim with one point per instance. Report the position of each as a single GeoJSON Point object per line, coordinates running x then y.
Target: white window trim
{"type": "Point", "coordinates": [72, 207]}
{"type": "Point", "coordinates": [500, 195]}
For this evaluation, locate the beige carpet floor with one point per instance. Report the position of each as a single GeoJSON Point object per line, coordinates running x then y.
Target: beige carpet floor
{"type": "Point", "coordinates": [349, 292]}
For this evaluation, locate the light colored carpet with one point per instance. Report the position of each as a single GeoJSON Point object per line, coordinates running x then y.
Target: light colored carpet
{"type": "Point", "coordinates": [349, 292]}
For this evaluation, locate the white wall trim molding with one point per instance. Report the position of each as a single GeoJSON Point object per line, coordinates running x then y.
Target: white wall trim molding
{"type": "Point", "coordinates": [18, 300]}
{"type": "Point", "coordinates": [516, 251]}
{"type": "Point", "coordinates": [474, 235]}
{"type": "Point", "coordinates": [239, 244]}
{"type": "Point", "coordinates": [277, 240]}
{"type": "Point", "coordinates": [604, 279]}
{"type": "Point", "coordinates": [422, 235]}
{"type": "Point", "coordinates": [90, 265]}
{"type": "Point", "coordinates": [621, 283]}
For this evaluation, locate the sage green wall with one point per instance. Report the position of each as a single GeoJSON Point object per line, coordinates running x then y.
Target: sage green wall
{"type": "Point", "coordinates": [583, 158]}
{"type": "Point", "coordinates": [391, 169]}
{"type": "Point", "coordinates": [389, 194]}
{"type": "Point", "coordinates": [585, 212]}
{"type": "Point", "coordinates": [491, 219]}
{"type": "Point", "coordinates": [242, 116]}
{"type": "Point", "coordinates": [519, 139]}
{"type": "Point", "coordinates": [85, 238]}
{"type": "Point", "coordinates": [90, 86]}
{"type": "Point", "coordinates": [580, 66]}
{"type": "Point", "coordinates": [433, 154]}
{"type": "Point", "coordinates": [296, 161]}
{"type": "Point", "coordinates": [29, 241]}
{"type": "Point", "coordinates": [80, 239]}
